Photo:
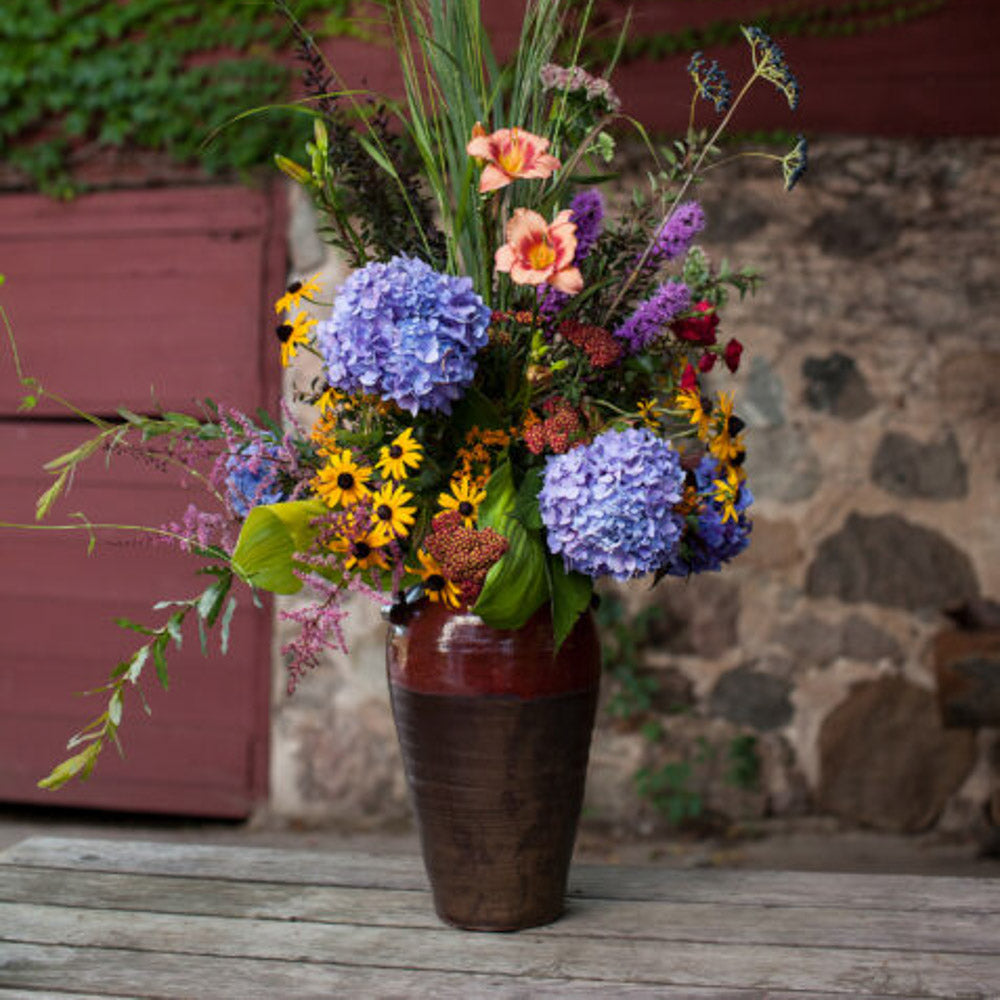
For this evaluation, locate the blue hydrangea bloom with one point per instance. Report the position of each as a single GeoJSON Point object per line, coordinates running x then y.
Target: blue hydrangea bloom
{"type": "Point", "coordinates": [709, 541]}
{"type": "Point", "coordinates": [252, 477]}
{"type": "Point", "coordinates": [609, 505]}
{"type": "Point", "coordinates": [405, 332]}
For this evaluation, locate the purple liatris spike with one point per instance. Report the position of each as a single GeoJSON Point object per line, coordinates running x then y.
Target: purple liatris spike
{"type": "Point", "coordinates": [587, 207]}
{"type": "Point", "coordinates": [675, 235]}
{"type": "Point", "coordinates": [650, 319]}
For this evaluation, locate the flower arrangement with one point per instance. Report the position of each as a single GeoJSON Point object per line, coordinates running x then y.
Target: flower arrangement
{"type": "Point", "coordinates": [512, 398]}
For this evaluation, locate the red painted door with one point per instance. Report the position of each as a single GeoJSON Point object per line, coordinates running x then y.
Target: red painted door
{"type": "Point", "coordinates": [152, 299]}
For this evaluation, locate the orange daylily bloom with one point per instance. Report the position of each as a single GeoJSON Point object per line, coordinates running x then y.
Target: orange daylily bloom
{"type": "Point", "coordinates": [537, 253]}
{"type": "Point", "coordinates": [510, 153]}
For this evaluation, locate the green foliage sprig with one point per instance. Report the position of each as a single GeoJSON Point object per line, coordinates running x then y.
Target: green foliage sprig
{"type": "Point", "coordinates": [151, 74]}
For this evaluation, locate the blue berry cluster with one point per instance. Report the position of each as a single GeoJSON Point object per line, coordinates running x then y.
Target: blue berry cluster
{"type": "Point", "coordinates": [769, 62]}
{"type": "Point", "coordinates": [795, 162]}
{"type": "Point", "coordinates": [710, 81]}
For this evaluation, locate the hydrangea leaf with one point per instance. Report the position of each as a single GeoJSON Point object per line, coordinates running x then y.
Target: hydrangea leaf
{"type": "Point", "coordinates": [570, 597]}
{"type": "Point", "coordinates": [269, 539]}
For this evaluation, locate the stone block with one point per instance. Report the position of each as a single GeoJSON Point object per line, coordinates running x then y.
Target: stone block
{"type": "Point", "coordinates": [835, 386]}
{"type": "Point", "coordinates": [920, 470]}
{"type": "Point", "coordinates": [890, 561]}
{"type": "Point", "coordinates": [751, 698]}
{"type": "Point", "coordinates": [967, 671]}
{"type": "Point", "coordinates": [886, 761]}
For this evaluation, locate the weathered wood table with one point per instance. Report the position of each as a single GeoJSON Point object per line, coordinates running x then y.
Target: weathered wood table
{"type": "Point", "coordinates": [89, 918]}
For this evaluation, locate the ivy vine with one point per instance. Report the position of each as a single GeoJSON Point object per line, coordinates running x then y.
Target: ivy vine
{"type": "Point", "coordinates": [149, 74]}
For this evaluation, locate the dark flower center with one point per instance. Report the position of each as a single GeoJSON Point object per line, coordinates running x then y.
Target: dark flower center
{"type": "Point", "coordinates": [434, 582]}
{"type": "Point", "coordinates": [466, 509]}
{"type": "Point", "coordinates": [734, 426]}
{"type": "Point", "coordinates": [294, 287]}
{"type": "Point", "coordinates": [395, 451]}
{"type": "Point", "coordinates": [361, 550]}
{"type": "Point", "coordinates": [739, 459]}
{"type": "Point", "coordinates": [383, 512]}
{"type": "Point", "coordinates": [345, 481]}
{"type": "Point", "coordinates": [284, 331]}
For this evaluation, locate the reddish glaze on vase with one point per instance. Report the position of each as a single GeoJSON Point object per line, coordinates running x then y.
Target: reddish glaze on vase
{"type": "Point", "coordinates": [450, 652]}
{"type": "Point", "coordinates": [495, 734]}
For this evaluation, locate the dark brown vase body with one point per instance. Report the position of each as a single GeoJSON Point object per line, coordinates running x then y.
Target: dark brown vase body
{"type": "Point", "coordinates": [495, 736]}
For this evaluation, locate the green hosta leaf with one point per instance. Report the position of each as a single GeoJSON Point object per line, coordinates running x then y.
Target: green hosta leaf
{"type": "Point", "coordinates": [516, 586]}
{"type": "Point", "coordinates": [500, 499]}
{"type": "Point", "coordinates": [269, 539]}
{"type": "Point", "coordinates": [570, 597]}
{"type": "Point", "coordinates": [526, 504]}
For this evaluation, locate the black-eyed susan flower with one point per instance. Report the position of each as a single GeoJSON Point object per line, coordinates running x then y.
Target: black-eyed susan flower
{"type": "Point", "coordinates": [465, 497]}
{"type": "Point", "coordinates": [689, 401]}
{"type": "Point", "coordinates": [725, 443]}
{"type": "Point", "coordinates": [726, 493]}
{"type": "Point", "coordinates": [362, 551]}
{"type": "Point", "coordinates": [296, 292]}
{"type": "Point", "coordinates": [647, 410]}
{"type": "Point", "coordinates": [328, 399]}
{"type": "Point", "coordinates": [293, 335]}
{"type": "Point", "coordinates": [436, 585]}
{"type": "Point", "coordinates": [390, 512]}
{"type": "Point", "coordinates": [402, 455]}
{"type": "Point", "coordinates": [342, 481]}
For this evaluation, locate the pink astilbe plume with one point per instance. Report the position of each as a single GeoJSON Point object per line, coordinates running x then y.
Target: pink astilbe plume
{"type": "Point", "coordinates": [200, 528]}
{"type": "Point", "coordinates": [321, 623]}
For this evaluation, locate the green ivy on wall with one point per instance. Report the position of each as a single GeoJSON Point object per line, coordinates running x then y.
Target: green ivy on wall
{"type": "Point", "coordinates": [789, 19]}
{"type": "Point", "coordinates": [152, 74]}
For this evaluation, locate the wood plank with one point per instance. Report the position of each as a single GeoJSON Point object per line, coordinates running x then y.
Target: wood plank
{"type": "Point", "coordinates": [832, 970]}
{"type": "Point", "coordinates": [733, 887]}
{"type": "Point", "coordinates": [147, 975]}
{"type": "Point", "coordinates": [717, 923]}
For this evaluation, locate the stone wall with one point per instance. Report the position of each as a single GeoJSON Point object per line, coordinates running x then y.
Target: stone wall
{"type": "Point", "coordinates": [800, 679]}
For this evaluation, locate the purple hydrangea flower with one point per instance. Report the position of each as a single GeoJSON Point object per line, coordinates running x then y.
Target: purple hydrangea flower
{"type": "Point", "coordinates": [608, 506]}
{"type": "Point", "coordinates": [675, 236]}
{"type": "Point", "coordinates": [651, 317]}
{"type": "Point", "coordinates": [405, 332]}
{"type": "Point", "coordinates": [252, 477]}
{"type": "Point", "coordinates": [709, 541]}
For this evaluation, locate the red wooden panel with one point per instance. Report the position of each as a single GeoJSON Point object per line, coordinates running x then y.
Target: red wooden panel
{"type": "Point", "coordinates": [111, 294]}
{"type": "Point", "coordinates": [204, 749]}
{"type": "Point", "coordinates": [148, 299]}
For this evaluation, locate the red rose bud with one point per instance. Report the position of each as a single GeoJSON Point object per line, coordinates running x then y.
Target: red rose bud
{"type": "Point", "coordinates": [706, 362]}
{"type": "Point", "coordinates": [688, 379]}
{"type": "Point", "coordinates": [732, 354]}
{"type": "Point", "coordinates": [698, 329]}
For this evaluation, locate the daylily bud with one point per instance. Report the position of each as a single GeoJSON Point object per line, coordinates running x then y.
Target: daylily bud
{"type": "Point", "coordinates": [297, 173]}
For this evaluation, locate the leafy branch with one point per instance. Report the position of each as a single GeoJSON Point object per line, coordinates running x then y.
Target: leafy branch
{"type": "Point", "coordinates": [209, 607]}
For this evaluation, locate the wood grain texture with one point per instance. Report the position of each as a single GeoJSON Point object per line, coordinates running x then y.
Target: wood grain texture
{"type": "Point", "coordinates": [122, 918]}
